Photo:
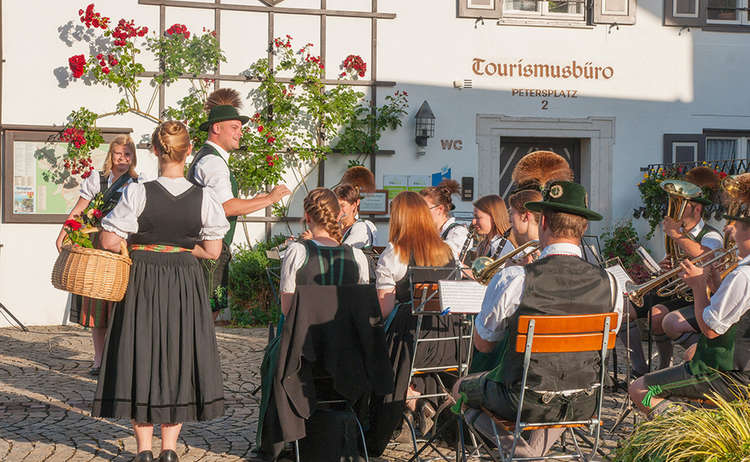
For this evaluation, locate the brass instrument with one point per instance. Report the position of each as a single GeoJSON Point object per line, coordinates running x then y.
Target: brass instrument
{"type": "Point", "coordinates": [680, 193]}
{"type": "Point", "coordinates": [680, 288]}
{"type": "Point", "coordinates": [484, 268]}
{"type": "Point", "coordinates": [637, 292]}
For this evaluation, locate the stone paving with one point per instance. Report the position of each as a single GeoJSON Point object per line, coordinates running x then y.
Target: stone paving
{"type": "Point", "coordinates": [45, 396]}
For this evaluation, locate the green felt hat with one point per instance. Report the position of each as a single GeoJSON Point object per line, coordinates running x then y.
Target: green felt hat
{"type": "Point", "coordinates": [564, 196]}
{"type": "Point", "coordinates": [222, 113]}
{"type": "Point", "coordinates": [702, 199]}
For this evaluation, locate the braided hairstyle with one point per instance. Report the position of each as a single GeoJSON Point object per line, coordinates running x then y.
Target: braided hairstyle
{"type": "Point", "coordinates": [171, 140]}
{"type": "Point", "coordinates": [322, 208]}
{"type": "Point", "coordinates": [441, 194]}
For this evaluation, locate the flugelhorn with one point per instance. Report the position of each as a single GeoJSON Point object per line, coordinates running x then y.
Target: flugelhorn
{"type": "Point", "coordinates": [637, 292]}
{"type": "Point", "coordinates": [484, 268]}
{"type": "Point", "coordinates": [679, 193]}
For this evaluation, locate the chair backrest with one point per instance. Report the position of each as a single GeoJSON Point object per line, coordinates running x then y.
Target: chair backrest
{"type": "Point", "coordinates": [567, 334]}
{"type": "Point", "coordinates": [424, 286]}
{"type": "Point", "coordinates": [426, 296]}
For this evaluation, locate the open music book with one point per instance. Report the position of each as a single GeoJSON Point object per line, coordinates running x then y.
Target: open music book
{"type": "Point", "coordinates": [614, 267]}
{"type": "Point", "coordinates": [461, 296]}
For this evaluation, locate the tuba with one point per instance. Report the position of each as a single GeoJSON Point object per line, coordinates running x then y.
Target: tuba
{"type": "Point", "coordinates": [484, 268]}
{"type": "Point", "coordinates": [679, 193]}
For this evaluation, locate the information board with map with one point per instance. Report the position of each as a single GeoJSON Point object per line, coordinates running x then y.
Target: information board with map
{"type": "Point", "coordinates": [41, 191]}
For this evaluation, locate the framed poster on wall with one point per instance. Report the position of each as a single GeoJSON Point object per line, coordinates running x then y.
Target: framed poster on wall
{"type": "Point", "coordinates": [36, 187]}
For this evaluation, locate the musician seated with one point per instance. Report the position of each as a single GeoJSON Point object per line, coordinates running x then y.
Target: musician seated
{"type": "Point", "coordinates": [440, 203]}
{"type": "Point", "coordinates": [493, 224]}
{"type": "Point", "coordinates": [524, 223]}
{"type": "Point", "coordinates": [413, 241]}
{"type": "Point", "coordinates": [559, 282]}
{"type": "Point", "coordinates": [672, 318]}
{"type": "Point", "coordinates": [320, 260]}
{"type": "Point", "coordinates": [721, 362]}
{"type": "Point", "coordinates": [356, 232]}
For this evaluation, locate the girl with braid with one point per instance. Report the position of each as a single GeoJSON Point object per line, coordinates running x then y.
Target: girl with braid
{"type": "Point", "coordinates": [161, 363]}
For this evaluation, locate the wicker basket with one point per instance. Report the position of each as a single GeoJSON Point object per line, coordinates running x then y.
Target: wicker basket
{"type": "Point", "coordinates": [92, 273]}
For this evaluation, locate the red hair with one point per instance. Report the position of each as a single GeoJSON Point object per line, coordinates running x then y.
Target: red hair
{"type": "Point", "coordinates": [413, 232]}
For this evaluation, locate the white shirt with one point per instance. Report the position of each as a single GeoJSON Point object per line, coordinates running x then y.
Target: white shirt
{"type": "Point", "coordinates": [504, 293]}
{"type": "Point", "coordinates": [390, 269]}
{"type": "Point", "coordinates": [455, 238]}
{"type": "Point", "coordinates": [711, 239]}
{"type": "Point", "coordinates": [213, 173]}
{"type": "Point", "coordinates": [123, 219]}
{"type": "Point", "coordinates": [361, 234]}
{"type": "Point", "coordinates": [91, 186]}
{"type": "Point", "coordinates": [296, 255]}
{"type": "Point", "coordinates": [731, 300]}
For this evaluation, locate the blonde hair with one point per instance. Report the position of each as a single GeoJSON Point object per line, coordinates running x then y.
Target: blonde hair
{"type": "Point", "coordinates": [413, 233]}
{"type": "Point", "coordinates": [494, 206]}
{"type": "Point", "coordinates": [171, 140]}
{"type": "Point", "coordinates": [322, 207]}
{"type": "Point", "coordinates": [121, 140]}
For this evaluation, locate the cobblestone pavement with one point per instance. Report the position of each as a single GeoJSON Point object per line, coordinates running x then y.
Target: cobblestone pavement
{"type": "Point", "coordinates": [45, 396]}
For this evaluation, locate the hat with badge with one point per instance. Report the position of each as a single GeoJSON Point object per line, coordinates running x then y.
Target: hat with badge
{"type": "Point", "coordinates": [564, 196]}
{"type": "Point", "coordinates": [223, 104]}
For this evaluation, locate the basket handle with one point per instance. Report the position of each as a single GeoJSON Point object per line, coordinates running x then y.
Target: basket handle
{"type": "Point", "coordinates": [124, 249]}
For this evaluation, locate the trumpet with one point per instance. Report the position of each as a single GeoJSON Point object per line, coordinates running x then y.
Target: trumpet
{"type": "Point", "coordinates": [484, 268]}
{"type": "Point", "coordinates": [674, 286]}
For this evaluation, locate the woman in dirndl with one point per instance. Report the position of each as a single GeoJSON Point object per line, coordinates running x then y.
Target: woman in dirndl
{"type": "Point", "coordinates": [492, 223]}
{"type": "Point", "coordinates": [118, 172]}
{"type": "Point", "coordinates": [161, 362]}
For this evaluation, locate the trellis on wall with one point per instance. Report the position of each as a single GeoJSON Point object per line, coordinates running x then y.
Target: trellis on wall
{"type": "Point", "coordinates": [271, 9]}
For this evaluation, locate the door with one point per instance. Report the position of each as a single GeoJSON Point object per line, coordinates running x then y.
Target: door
{"type": "Point", "coordinates": [513, 149]}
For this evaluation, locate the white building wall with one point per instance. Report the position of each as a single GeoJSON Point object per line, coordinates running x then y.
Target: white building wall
{"type": "Point", "coordinates": [666, 80]}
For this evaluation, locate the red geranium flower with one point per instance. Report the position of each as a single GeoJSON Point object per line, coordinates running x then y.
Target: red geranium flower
{"type": "Point", "coordinates": [96, 213]}
{"type": "Point", "coordinates": [73, 224]}
{"type": "Point", "coordinates": [77, 64]}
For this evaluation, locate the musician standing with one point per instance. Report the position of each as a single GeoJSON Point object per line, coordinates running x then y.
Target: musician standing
{"type": "Point", "coordinates": [673, 319]}
{"type": "Point", "coordinates": [560, 282]}
{"type": "Point", "coordinates": [439, 200]}
{"type": "Point", "coordinates": [210, 169]}
{"type": "Point", "coordinates": [721, 362]}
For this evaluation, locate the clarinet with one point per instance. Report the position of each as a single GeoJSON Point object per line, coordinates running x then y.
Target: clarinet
{"type": "Point", "coordinates": [501, 246]}
{"type": "Point", "coordinates": [467, 243]}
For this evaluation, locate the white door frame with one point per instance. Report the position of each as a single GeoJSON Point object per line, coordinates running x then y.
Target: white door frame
{"type": "Point", "coordinates": [597, 135]}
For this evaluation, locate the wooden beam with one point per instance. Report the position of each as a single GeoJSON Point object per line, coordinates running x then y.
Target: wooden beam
{"type": "Point", "coordinates": [242, 78]}
{"type": "Point", "coordinates": [269, 9]}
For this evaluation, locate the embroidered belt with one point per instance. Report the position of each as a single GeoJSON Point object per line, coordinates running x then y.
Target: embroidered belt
{"type": "Point", "coordinates": [159, 248]}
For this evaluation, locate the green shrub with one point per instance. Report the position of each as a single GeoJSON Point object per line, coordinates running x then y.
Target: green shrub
{"type": "Point", "coordinates": [693, 435]}
{"type": "Point", "coordinates": [252, 300]}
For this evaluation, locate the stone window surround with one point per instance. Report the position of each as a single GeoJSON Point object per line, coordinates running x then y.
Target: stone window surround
{"type": "Point", "coordinates": [597, 135]}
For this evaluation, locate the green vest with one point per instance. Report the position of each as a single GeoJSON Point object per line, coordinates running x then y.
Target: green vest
{"type": "Point", "coordinates": [207, 150]}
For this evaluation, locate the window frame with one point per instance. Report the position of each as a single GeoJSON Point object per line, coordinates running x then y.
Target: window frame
{"type": "Point", "coordinates": [683, 15]}
{"type": "Point", "coordinates": [13, 133]}
{"type": "Point", "coordinates": [741, 145]}
{"type": "Point", "coordinates": [740, 9]}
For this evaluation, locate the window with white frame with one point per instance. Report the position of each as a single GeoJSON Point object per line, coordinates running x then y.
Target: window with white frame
{"type": "Point", "coordinates": [727, 12]}
{"type": "Point", "coordinates": [727, 148]}
{"type": "Point", "coordinates": [685, 8]}
{"type": "Point", "coordinates": [565, 9]}
{"type": "Point", "coordinates": [684, 151]}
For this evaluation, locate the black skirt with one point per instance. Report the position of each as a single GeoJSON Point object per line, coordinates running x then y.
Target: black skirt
{"type": "Point", "coordinates": [161, 363]}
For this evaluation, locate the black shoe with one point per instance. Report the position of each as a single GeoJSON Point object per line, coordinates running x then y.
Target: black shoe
{"type": "Point", "coordinates": [144, 456]}
{"type": "Point", "coordinates": [168, 456]}
{"type": "Point", "coordinates": [94, 371]}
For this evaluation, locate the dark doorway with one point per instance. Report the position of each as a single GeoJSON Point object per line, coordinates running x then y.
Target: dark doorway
{"type": "Point", "coordinates": [512, 149]}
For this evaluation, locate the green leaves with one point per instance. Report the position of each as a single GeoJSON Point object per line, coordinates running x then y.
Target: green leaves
{"type": "Point", "coordinates": [199, 54]}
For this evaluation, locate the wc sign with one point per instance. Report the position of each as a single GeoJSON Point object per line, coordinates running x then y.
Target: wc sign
{"type": "Point", "coordinates": [452, 145]}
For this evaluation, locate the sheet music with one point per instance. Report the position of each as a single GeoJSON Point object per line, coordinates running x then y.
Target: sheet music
{"type": "Point", "coordinates": [651, 264]}
{"type": "Point", "coordinates": [620, 275]}
{"type": "Point", "coordinates": [461, 296]}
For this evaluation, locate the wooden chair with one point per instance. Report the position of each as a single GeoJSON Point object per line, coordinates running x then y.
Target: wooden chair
{"type": "Point", "coordinates": [559, 334]}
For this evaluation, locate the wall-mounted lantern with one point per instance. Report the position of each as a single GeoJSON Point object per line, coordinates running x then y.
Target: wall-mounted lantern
{"type": "Point", "coordinates": [425, 127]}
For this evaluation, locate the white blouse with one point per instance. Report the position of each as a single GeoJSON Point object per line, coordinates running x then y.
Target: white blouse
{"type": "Point", "coordinates": [123, 219]}
{"type": "Point", "coordinates": [296, 255]}
{"type": "Point", "coordinates": [456, 236]}
{"type": "Point", "coordinates": [91, 186]}
{"type": "Point", "coordinates": [213, 173]}
{"type": "Point", "coordinates": [362, 234]}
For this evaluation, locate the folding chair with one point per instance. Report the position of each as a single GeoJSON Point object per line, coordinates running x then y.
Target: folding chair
{"type": "Point", "coordinates": [558, 334]}
{"type": "Point", "coordinates": [425, 301]}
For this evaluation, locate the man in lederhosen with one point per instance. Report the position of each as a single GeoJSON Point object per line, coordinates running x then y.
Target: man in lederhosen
{"type": "Point", "coordinates": [210, 169]}
{"type": "Point", "coordinates": [559, 282]}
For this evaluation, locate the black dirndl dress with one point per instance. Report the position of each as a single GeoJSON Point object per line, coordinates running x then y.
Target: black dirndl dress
{"type": "Point", "coordinates": [161, 362]}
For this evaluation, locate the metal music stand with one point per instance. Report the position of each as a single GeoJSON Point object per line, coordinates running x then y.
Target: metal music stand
{"type": "Point", "coordinates": [7, 312]}
{"type": "Point", "coordinates": [627, 405]}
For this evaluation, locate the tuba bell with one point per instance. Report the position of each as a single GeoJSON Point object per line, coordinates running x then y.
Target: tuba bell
{"type": "Point", "coordinates": [679, 193]}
